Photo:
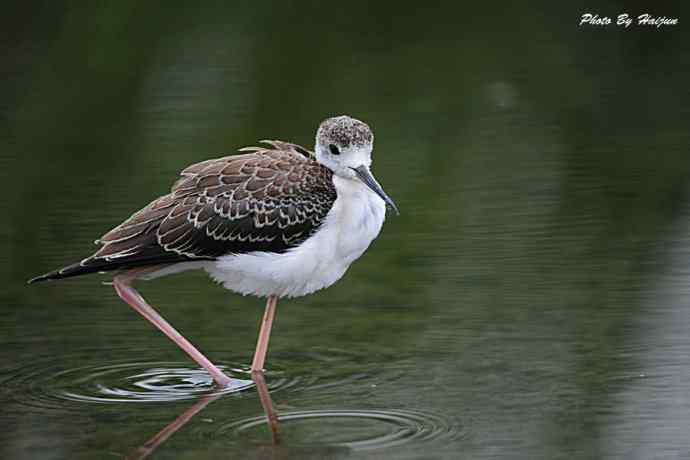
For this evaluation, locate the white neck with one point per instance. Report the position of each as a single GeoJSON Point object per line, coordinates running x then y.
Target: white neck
{"type": "Point", "coordinates": [357, 216]}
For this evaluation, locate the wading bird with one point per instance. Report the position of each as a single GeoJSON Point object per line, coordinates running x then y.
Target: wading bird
{"type": "Point", "coordinates": [275, 221]}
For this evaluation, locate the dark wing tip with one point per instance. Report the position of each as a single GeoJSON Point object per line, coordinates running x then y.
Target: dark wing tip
{"type": "Point", "coordinates": [45, 277]}
{"type": "Point", "coordinates": [65, 272]}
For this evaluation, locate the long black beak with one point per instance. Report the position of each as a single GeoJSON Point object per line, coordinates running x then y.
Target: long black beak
{"type": "Point", "coordinates": [365, 175]}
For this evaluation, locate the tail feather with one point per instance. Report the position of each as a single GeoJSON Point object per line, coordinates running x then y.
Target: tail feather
{"type": "Point", "coordinates": [65, 272]}
{"type": "Point", "coordinates": [93, 265]}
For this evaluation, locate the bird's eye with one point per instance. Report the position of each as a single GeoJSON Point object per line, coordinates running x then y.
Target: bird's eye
{"type": "Point", "coordinates": [334, 150]}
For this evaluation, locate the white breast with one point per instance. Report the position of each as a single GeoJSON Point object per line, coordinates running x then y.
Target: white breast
{"type": "Point", "coordinates": [350, 226]}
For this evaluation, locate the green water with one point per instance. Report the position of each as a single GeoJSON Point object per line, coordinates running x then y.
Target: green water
{"type": "Point", "coordinates": [531, 301]}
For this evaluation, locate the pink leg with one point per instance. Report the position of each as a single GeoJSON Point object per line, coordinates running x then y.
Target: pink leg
{"type": "Point", "coordinates": [126, 291]}
{"type": "Point", "coordinates": [264, 334]}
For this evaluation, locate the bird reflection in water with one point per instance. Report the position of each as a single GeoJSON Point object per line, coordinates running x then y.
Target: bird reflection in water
{"type": "Point", "coordinates": [267, 404]}
{"type": "Point", "coordinates": [159, 438]}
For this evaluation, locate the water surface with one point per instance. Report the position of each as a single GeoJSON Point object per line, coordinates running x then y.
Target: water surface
{"type": "Point", "coordinates": [530, 302]}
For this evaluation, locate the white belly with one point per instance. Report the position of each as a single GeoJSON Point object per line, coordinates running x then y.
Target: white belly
{"type": "Point", "coordinates": [350, 226]}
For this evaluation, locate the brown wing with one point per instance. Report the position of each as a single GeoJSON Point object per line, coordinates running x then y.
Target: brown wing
{"type": "Point", "coordinates": [268, 199]}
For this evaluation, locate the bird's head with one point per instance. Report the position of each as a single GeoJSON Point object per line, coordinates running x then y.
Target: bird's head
{"type": "Point", "coordinates": [344, 145]}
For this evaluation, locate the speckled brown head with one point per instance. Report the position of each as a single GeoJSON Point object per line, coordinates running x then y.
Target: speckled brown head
{"type": "Point", "coordinates": [344, 145]}
{"type": "Point", "coordinates": [344, 132]}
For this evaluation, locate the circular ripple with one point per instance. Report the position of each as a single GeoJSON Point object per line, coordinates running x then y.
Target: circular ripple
{"type": "Point", "coordinates": [49, 382]}
{"type": "Point", "coordinates": [352, 429]}
{"type": "Point", "coordinates": [329, 368]}
{"type": "Point", "coordinates": [145, 382]}
{"type": "Point", "coordinates": [46, 386]}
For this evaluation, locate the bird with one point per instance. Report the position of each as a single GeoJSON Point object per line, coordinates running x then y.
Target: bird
{"type": "Point", "coordinates": [274, 221]}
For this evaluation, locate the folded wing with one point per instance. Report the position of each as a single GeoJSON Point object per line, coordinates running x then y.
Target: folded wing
{"type": "Point", "coordinates": [268, 199]}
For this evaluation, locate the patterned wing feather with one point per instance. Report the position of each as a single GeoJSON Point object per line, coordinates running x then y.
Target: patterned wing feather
{"type": "Point", "coordinates": [268, 199]}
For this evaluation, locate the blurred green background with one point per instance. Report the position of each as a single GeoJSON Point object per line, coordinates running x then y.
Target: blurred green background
{"type": "Point", "coordinates": [533, 295]}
